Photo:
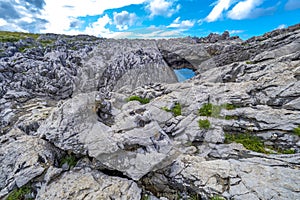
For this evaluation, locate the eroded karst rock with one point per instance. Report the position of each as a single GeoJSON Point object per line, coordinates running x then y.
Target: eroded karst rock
{"type": "Point", "coordinates": [68, 98]}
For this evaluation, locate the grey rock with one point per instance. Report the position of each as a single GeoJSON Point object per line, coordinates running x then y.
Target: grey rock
{"type": "Point", "coordinates": [136, 143]}
{"type": "Point", "coordinates": [71, 92]}
{"type": "Point", "coordinates": [23, 158]}
{"type": "Point", "coordinates": [256, 177]}
{"type": "Point", "coordinates": [89, 184]}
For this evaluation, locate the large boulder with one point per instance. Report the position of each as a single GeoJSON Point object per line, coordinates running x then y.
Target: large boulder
{"type": "Point", "coordinates": [135, 144]}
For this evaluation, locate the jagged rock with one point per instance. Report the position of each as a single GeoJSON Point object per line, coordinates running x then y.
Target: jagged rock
{"type": "Point", "coordinates": [89, 184]}
{"type": "Point", "coordinates": [23, 158]}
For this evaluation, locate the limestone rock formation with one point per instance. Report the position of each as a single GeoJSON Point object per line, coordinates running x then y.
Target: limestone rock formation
{"type": "Point", "coordinates": [92, 118]}
{"type": "Point", "coordinates": [88, 184]}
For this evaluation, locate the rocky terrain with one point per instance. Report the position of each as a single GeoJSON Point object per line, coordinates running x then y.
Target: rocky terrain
{"type": "Point", "coordinates": [92, 118]}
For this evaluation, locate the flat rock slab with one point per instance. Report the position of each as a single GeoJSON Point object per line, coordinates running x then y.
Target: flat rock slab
{"type": "Point", "coordinates": [275, 177]}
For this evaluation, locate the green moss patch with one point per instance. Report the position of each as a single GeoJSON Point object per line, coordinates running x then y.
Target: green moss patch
{"type": "Point", "coordinates": [250, 142]}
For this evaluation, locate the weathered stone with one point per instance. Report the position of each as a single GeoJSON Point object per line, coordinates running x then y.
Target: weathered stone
{"type": "Point", "coordinates": [256, 176]}
{"type": "Point", "coordinates": [72, 91]}
{"type": "Point", "coordinates": [23, 158]}
{"type": "Point", "coordinates": [89, 184]}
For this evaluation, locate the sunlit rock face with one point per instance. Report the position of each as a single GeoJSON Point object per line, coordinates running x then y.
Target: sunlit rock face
{"type": "Point", "coordinates": [85, 117]}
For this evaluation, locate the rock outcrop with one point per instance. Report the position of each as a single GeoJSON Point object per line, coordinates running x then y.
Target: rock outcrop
{"type": "Point", "coordinates": [69, 129]}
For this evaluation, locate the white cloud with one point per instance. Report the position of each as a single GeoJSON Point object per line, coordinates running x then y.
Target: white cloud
{"type": "Point", "coordinates": [281, 26]}
{"type": "Point", "coordinates": [60, 13]}
{"type": "Point", "coordinates": [292, 5]}
{"type": "Point", "coordinates": [21, 15]}
{"type": "Point", "coordinates": [185, 24]}
{"type": "Point", "coordinates": [3, 22]}
{"type": "Point", "coordinates": [162, 8]}
{"type": "Point", "coordinates": [159, 34]}
{"type": "Point", "coordinates": [244, 9]}
{"type": "Point", "coordinates": [98, 27]}
{"type": "Point", "coordinates": [217, 11]}
{"type": "Point", "coordinates": [232, 32]}
{"type": "Point", "coordinates": [123, 20]}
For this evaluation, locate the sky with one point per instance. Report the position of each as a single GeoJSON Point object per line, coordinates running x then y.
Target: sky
{"type": "Point", "coordinates": [148, 19]}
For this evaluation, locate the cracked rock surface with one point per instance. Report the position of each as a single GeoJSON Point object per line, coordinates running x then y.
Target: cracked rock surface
{"type": "Point", "coordinates": [69, 131]}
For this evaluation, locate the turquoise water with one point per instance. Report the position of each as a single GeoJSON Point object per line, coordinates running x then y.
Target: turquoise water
{"type": "Point", "coordinates": [184, 74]}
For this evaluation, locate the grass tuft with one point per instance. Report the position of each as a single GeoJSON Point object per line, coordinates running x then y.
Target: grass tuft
{"type": "Point", "coordinates": [228, 106]}
{"type": "Point", "coordinates": [206, 110]}
{"type": "Point", "coordinates": [176, 110]}
{"type": "Point", "coordinates": [217, 198]}
{"type": "Point", "coordinates": [248, 141]}
{"type": "Point", "coordinates": [71, 160]}
{"type": "Point", "coordinates": [139, 99]}
{"type": "Point", "coordinates": [210, 110]}
{"type": "Point", "coordinates": [288, 151]}
{"type": "Point", "coordinates": [297, 131]}
{"type": "Point", "coordinates": [204, 124]}
{"type": "Point", "coordinates": [19, 194]}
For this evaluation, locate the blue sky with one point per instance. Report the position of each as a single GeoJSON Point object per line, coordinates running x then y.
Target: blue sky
{"type": "Point", "coordinates": [148, 18]}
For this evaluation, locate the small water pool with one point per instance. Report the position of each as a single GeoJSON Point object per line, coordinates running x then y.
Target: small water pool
{"type": "Point", "coordinates": [184, 74]}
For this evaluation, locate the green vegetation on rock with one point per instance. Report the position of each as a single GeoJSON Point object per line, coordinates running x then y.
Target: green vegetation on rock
{"type": "Point", "coordinates": [6, 36]}
{"type": "Point", "coordinates": [217, 198]}
{"type": "Point", "coordinates": [211, 110]}
{"type": "Point", "coordinates": [19, 194]}
{"type": "Point", "coordinates": [204, 124]}
{"type": "Point", "coordinates": [206, 110]}
{"type": "Point", "coordinates": [139, 99]}
{"type": "Point", "coordinates": [250, 142]}
{"type": "Point", "coordinates": [46, 42]}
{"type": "Point", "coordinates": [288, 151]}
{"type": "Point", "coordinates": [145, 197]}
{"type": "Point", "coordinates": [71, 160]}
{"type": "Point", "coordinates": [297, 131]}
{"type": "Point", "coordinates": [176, 110]}
{"type": "Point", "coordinates": [228, 106]}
